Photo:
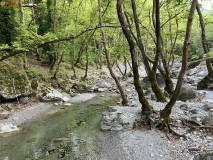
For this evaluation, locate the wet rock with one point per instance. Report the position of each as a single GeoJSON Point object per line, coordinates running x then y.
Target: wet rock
{"type": "Point", "coordinates": [208, 156]}
{"type": "Point", "coordinates": [184, 107]}
{"type": "Point", "coordinates": [7, 127]}
{"type": "Point", "coordinates": [208, 121]}
{"type": "Point", "coordinates": [187, 93]}
{"type": "Point", "coordinates": [122, 118]}
{"type": "Point", "coordinates": [207, 107]}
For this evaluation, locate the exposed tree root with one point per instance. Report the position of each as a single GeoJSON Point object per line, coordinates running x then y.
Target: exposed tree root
{"type": "Point", "coordinates": [175, 133]}
{"type": "Point", "coordinates": [187, 123]}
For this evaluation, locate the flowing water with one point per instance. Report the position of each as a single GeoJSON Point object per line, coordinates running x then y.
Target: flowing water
{"type": "Point", "coordinates": [71, 133]}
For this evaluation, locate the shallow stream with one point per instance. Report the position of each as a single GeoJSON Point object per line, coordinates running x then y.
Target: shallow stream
{"type": "Point", "coordinates": [71, 133]}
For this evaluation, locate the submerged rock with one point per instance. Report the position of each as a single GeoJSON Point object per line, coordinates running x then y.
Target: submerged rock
{"type": "Point", "coordinates": [119, 118]}
{"type": "Point", "coordinates": [7, 127]}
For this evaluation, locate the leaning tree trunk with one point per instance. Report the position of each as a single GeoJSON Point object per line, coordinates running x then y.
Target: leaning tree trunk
{"type": "Point", "coordinates": [204, 42]}
{"type": "Point", "coordinates": [165, 113]}
{"type": "Point", "coordinates": [145, 104]}
{"type": "Point", "coordinates": [151, 72]}
{"type": "Point", "coordinates": [124, 98]}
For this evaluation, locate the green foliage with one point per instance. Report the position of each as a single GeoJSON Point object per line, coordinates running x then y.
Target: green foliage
{"type": "Point", "coordinates": [8, 25]}
{"type": "Point", "coordinates": [12, 71]}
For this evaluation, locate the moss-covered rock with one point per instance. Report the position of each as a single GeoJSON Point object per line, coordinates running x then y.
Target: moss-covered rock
{"type": "Point", "coordinates": [206, 83]}
{"type": "Point", "coordinates": [13, 78]}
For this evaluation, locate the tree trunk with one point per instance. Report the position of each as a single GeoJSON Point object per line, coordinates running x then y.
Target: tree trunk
{"type": "Point", "coordinates": [151, 72]}
{"type": "Point", "coordinates": [124, 98]}
{"type": "Point", "coordinates": [21, 12]}
{"type": "Point", "coordinates": [165, 113]}
{"type": "Point", "coordinates": [125, 64]}
{"type": "Point", "coordinates": [204, 42]}
{"type": "Point", "coordinates": [87, 58]}
{"type": "Point", "coordinates": [54, 27]}
{"type": "Point", "coordinates": [145, 104]}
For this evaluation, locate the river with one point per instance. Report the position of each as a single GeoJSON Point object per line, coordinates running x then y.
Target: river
{"type": "Point", "coordinates": [71, 133]}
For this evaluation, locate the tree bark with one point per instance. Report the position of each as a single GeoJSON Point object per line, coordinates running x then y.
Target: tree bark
{"type": "Point", "coordinates": [204, 41]}
{"type": "Point", "coordinates": [151, 72]}
{"type": "Point", "coordinates": [165, 113]}
{"type": "Point", "coordinates": [145, 104]}
{"type": "Point", "coordinates": [54, 27]}
{"type": "Point", "coordinates": [124, 98]}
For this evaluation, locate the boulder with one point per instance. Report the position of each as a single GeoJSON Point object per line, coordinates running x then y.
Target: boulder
{"type": "Point", "coordinates": [7, 127]}
{"type": "Point", "coordinates": [207, 107]}
{"type": "Point", "coordinates": [186, 94]}
{"type": "Point", "coordinates": [160, 80]}
{"type": "Point", "coordinates": [104, 84]}
{"type": "Point", "coordinates": [53, 95]}
{"type": "Point", "coordinates": [208, 121]}
{"type": "Point", "coordinates": [119, 118]}
{"type": "Point", "coordinates": [184, 107]}
{"type": "Point", "coordinates": [102, 89]}
{"type": "Point", "coordinates": [205, 84]}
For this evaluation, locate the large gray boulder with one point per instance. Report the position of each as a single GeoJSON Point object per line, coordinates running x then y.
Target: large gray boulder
{"type": "Point", "coordinates": [117, 118]}
{"type": "Point", "coordinates": [208, 121]}
{"type": "Point", "coordinates": [160, 80]}
{"type": "Point", "coordinates": [187, 93]}
{"type": "Point", "coordinates": [53, 96]}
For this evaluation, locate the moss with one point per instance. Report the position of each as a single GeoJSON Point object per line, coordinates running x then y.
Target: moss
{"type": "Point", "coordinates": [13, 71]}
{"type": "Point", "coordinates": [7, 108]}
{"type": "Point", "coordinates": [156, 89]}
{"type": "Point", "coordinates": [34, 84]}
{"type": "Point", "coordinates": [204, 83]}
{"type": "Point", "coordinates": [165, 115]}
{"type": "Point", "coordinates": [34, 94]}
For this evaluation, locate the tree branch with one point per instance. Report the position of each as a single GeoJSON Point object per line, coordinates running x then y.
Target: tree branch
{"type": "Point", "coordinates": [199, 60]}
